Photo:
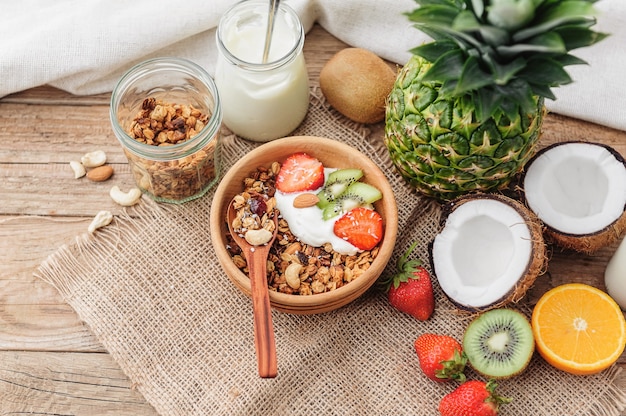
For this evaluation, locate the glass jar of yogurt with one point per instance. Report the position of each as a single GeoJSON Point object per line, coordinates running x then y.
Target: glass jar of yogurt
{"type": "Point", "coordinates": [261, 101]}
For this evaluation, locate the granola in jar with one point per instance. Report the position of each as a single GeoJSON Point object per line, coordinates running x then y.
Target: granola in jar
{"type": "Point", "coordinates": [166, 113]}
{"type": "Point", "coordinates": [163, 124]}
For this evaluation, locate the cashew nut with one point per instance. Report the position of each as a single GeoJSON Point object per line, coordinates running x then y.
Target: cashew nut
{"type": "Point", "coordinates": [78, 168]}
{"type": "Point", "coordinates": [292, 275]}
{"type": "Point", "coordinates": [94, 159]}
{"type": "Point", "coordinates": [258, 237]}
{"type": "Point", "coordinates": [102, 218]}
{"type": "Point", "coordinates": [125, 199]}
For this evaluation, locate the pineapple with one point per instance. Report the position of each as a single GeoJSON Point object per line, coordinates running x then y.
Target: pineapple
{"type": "Point", "coordinates": [465, 112]}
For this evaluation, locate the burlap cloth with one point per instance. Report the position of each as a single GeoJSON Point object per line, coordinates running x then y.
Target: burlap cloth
{"type": "Point", "coordinates": [150, 288]}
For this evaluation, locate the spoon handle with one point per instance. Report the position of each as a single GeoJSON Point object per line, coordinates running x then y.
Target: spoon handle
{"type": "Point", "coordinates": [264, 342]}
{"type": "Point", "coordinates": [271, 16]}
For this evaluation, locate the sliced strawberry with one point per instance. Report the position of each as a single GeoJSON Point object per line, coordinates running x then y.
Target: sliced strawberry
{"type": "Point", "coordinates": [362, 227]}
{"type": "Point", "coordinates": [299, 173]}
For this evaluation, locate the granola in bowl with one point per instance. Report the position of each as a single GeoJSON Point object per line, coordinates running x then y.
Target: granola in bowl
{"type": "Point", "coordinates": [294, 267]}
{"type": "Point", "coordinates": [291, 254]}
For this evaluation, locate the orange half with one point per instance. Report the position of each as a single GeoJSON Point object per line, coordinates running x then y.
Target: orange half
{"type": "Point", "coordinates": [578, 328]}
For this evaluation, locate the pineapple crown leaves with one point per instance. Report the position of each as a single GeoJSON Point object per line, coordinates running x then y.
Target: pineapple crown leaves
{"type": "Point", "coordinates": [405, 270]}
{"type": "Point", "coordinates": [503, 52]}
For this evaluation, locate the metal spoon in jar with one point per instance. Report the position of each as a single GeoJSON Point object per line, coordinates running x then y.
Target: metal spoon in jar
{"type": "Point", "coordinates": [256, 257]}
{"type": "Point", "coordinates": [270, 28]}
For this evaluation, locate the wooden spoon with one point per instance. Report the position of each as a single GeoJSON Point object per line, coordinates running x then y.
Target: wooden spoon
{"type": "Point", "coordinates": [256, 257]}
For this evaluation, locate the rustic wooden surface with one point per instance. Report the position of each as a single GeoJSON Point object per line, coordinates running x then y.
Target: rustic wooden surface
{"type": "Point", "coordinates": [50, 363]}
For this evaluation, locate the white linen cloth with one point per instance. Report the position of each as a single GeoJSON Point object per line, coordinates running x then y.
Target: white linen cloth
{"type": "Point", "coordinates": [84, 46]}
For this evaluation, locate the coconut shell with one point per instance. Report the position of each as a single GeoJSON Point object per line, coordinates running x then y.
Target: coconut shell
{"type": "Point", "coordinates": [537, 264]}
{"type": "Point", "coordinates": [588, 243]}
{"type": "Point", "coordinates": [582, 243]}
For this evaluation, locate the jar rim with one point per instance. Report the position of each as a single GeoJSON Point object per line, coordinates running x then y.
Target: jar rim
{"type": "Point", "coordinates": [201, 139]}
{"type": "Point", "coordinates": [253, 66]}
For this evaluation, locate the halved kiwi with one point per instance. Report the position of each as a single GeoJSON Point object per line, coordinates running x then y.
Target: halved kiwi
{"type": "Point", "coordinates": [337, 183]}
{"type": "Point", "coordinates": [499, 343]}
{"type": "Point", "coordinates": [356, 195]}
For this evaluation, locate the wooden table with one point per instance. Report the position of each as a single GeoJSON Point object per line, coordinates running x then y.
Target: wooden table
{"type": "Point", "coordinates": [50, 363]}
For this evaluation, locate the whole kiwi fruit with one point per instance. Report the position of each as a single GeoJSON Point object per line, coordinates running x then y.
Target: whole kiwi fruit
{"type": "Point", "coordinates": [499, 343]}
{"type": "Point", "coordinates": [356, 82]}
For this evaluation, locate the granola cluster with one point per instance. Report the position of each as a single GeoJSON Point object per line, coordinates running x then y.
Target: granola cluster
{"type": "Point", "coordinates": [165, 124]}
{"type": "Point", "coordinates": [292, 266]}
{"type": "Point", "coordinates": [255, 217]}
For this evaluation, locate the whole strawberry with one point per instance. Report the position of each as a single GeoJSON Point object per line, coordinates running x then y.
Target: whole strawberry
{"type": "Point", "coordinates": [441, 357]}
{"type": "Point", "coordinates": [410, 289]}
{"type": "Point", "coordinates": [472, 398]}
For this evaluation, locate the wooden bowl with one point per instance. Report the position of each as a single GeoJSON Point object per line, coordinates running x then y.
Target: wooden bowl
{"type": "Point", "coordinates": [332, 154]}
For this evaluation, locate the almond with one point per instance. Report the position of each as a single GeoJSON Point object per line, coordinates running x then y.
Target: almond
{"type": "Point", "coordinates": [100, 174]}
{"type": "Point", "coordinates": [305, 200]}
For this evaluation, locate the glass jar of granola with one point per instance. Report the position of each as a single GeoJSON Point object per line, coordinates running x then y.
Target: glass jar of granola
{"type": "Point", "coordinates": [166, 113]}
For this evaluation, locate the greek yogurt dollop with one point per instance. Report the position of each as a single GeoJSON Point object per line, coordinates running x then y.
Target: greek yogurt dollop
{"type": "Point", "coordinates": [308, 225]}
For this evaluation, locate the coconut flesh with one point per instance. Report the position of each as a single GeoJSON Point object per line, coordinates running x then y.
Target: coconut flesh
{"type": "Point", "coordinates": [577, 189]}
{"type": "Point", "coordinates": [487, 253]}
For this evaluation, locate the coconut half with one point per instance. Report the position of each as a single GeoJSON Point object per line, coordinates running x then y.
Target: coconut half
{"type": "Point", "coordinates": [489, 252]}
{"type": "Point", "coordinates": [578, 190]}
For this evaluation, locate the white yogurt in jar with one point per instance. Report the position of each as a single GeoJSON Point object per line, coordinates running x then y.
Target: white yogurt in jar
{"type": "Point", "coordinates": [261, 101]}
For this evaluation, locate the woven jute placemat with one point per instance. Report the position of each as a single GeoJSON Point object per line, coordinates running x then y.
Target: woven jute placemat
{"type": "Point", "coordinates": [150, 288]}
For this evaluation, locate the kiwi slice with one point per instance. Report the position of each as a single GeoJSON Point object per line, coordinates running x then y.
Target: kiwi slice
{"type": "Point", "coordinates": [356, 195]}
{"type": "Point", "coordinates": [337, 183]}
{"type": "Point", "coordinates": [499, 343]}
